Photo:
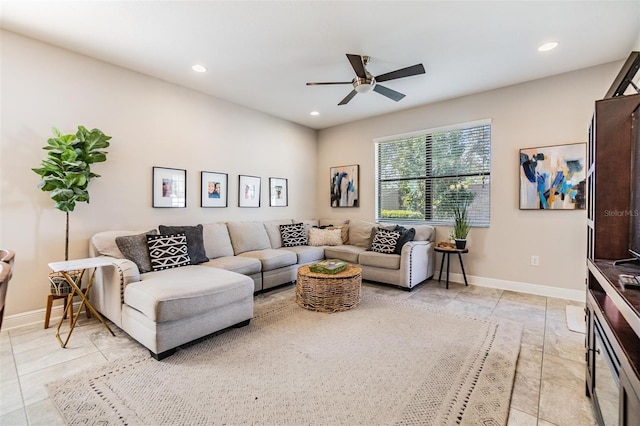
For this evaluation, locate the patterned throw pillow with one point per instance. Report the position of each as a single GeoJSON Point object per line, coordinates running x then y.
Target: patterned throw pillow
{"type": "Point", "coordinates": [293, 235]}
{"type": "Point", "coordinates": [168, 251]}
{"type": "Point", "coordinates": [385, 241]}
{"type": "Point", "coordinates": [134, 248]}
{"type": "Point", "coordinates": [325, 237]}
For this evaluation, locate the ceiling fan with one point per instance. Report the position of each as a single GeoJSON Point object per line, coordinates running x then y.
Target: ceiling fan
{"type": "Point", "coordinates": [364, 81]}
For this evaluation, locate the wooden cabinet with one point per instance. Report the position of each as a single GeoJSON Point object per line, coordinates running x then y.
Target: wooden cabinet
{"type": "Point", "coordinates": [613, 313]}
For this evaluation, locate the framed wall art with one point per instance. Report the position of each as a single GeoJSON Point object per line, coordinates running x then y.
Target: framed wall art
{"type": "Point", "coordinates": [553, 177]}
{"type": "Point", "coordinates": [344, 186]}
{"type": "Point", "coordinates": [214, 189]}
{"type": "Point", "coordinates": [169, 187]}
{"type": "Point", "coordinates": [249, 191]}
{"type": "Point", "coordinates": [278, 192]}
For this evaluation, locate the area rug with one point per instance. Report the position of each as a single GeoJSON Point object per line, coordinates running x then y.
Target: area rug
{"type": "Point", "coordinates": [385, 362]}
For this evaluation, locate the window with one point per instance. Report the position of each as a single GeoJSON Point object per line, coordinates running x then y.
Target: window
{"type": "Point", "coordinates": [422, 175]}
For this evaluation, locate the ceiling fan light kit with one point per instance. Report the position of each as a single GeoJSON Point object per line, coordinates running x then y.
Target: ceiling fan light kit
{"type": "Point", "coordinates": [364, 82]}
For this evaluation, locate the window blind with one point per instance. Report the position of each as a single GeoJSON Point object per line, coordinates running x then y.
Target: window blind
{"type": "Point", "coordinates": [421, 177]}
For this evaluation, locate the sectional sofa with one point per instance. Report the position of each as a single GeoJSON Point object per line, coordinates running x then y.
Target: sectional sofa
{"type": "Point", "coordinates": [165, 308]}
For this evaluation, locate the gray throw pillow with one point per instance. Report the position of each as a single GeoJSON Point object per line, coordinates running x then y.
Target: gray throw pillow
{"type": "Point", "coordinates": [134, 248]}
{"type": "Point", "coordinates": [195, 241]}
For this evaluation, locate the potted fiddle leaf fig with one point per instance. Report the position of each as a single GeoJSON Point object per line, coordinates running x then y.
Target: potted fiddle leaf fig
{"type": "Point", "coordinates": [66, 171]}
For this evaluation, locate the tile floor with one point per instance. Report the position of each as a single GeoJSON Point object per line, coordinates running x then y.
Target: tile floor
{"type": "Point", "coordinates": [548, 389]}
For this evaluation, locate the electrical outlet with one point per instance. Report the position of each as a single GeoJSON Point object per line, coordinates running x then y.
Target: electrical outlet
{"type": "Point", "coordinates": [535, 261]}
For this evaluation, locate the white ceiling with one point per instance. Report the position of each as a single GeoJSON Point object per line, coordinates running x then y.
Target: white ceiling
{"type": "Point", "coordinates": [261, 54]}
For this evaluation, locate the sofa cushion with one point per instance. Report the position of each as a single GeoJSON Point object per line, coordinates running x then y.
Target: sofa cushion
{"type": "Point", "coordinates": [385, 241]}
{"type": "Point", "coordinates": [135, 248]}
{"type": "Point", "coordinates": [174, 294]}
{"type": "Point", "coordinates": [248, 236]}
{"type": "Point", "coordinates": [272, 258]}
{"type": "Point", "coordinates": [348, 253]}
{"type": "Point", "coordinates": [239, 264]}
{"type": "Point", "coordinates": [333, 222]}
{"type": "Point", "coordinates": [379, 260]}
{"type": "Point", "coordinates": [105, 242]}
{"type": "Point", "coordinates": [293, 235]}
{"type": "Point", "coordinates": [325, 237]}
{"type": "Point", "coordinates": [216, 240]}
{"type": "Point", "coordinates": [307, 254]}
{"type": "Point", "coordinates": [168, 251]}
{"type": "Point", "coordinates": [273, 231]}
{"type": "Point", "coordinates": [195, 243]}
{"type": "Point", "coordinates": [360, 232]}
{"type": "Point", "coordinates": [425, 233]}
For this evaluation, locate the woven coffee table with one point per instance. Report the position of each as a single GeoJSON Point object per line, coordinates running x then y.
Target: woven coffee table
{"type": "Point", "coordinates": [329, 292]}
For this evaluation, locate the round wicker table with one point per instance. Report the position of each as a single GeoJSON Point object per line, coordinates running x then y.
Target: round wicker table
{"type": "Point", "coordinates": [328, 292]}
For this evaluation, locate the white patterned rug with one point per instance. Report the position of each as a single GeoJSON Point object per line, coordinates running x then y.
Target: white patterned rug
{"type": "Point", "coordinates": [385, 362]}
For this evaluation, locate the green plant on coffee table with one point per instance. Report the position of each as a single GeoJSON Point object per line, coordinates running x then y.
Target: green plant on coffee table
{"type": "Point", "coordinates": [66, 171]}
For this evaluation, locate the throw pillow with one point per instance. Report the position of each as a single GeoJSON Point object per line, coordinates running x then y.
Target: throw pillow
{"type": "Point", "coordinates": [168, 251]}
{"type": "Point", "coordinates": [134, 248]}
{"type": "Point", "coordinates": [293, 235]}
{"type": "Point", "coordinates": [373, 233]}
{"type": "Point", "coordinates": [406, 235]}
{"type": "Point", "coordinates": [385, 241]}
{"type": "Point", "coordinates": [325, 237]}
{"type": "Point", "coordinates": [344, 229]}
{"type": "Point", "coordinates": [195, 241]}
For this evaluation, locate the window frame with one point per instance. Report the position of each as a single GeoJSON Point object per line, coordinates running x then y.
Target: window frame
{"type": "Point", "coordinates": [430, 178]}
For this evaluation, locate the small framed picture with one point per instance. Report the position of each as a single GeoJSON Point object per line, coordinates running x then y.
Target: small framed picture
{"type": "Point", "coordinates": [214, 189]}
{"type": "Point", "coordinates": [249, 191]}
{"type": "Point", "coordinates": [278, 192]}
{"type": "Point", "coordinates": [169, 187]}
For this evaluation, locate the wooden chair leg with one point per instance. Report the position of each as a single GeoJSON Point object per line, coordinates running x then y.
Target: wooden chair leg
{"type": "Point", "coordinates": [47, 314]}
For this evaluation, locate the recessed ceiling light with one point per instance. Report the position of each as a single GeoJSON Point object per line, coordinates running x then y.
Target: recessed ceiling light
{"type": "Point", "coordinates": [314, 113]}
{"type": "Point", "coordinates": [548, 46]}
{"type": "Point", "coordinates": [199, 68]}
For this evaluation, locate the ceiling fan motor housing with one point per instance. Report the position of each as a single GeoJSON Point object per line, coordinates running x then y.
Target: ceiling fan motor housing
{"type": "Point", "coordinates": [364, 85]}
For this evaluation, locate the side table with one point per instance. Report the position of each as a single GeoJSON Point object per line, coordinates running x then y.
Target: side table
{"type": "Point", "coordinates": [64, 268]}
{"type": "Point", "coordinates": [446, 252]}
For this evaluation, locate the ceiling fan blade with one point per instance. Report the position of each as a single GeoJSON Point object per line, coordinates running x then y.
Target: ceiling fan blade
{"type": "Point", "coordinates": [358, 66]}
{"type": "Point", "coordinates": [329, 82]}
{"type": "Point", "coordinates": [349, 97]}
{"type": "Point", "coordinates": [391, 94]}
{"type": "Point", "coordinates": [401, 73]}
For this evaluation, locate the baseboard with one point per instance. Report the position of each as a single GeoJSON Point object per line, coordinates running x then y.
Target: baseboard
{"type": "Point", "coordinates": [537, 289]}
{"type": "Point", "coordinates": [35, 317]}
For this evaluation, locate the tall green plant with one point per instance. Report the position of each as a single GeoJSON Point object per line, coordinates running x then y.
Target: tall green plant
{"type": "Point", "coordinates": [461, 225]}
{"type": "Point", "coordinates": [66, 171]}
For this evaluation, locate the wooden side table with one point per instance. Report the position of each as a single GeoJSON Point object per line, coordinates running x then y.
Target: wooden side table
{"type": "Point", "coordinates": [446, 252]}
{"type": "Point", "coordinates": [65, 268]}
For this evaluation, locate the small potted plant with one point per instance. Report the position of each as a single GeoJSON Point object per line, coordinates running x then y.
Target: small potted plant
{"type": "Point", "coordinates": [461, 225]}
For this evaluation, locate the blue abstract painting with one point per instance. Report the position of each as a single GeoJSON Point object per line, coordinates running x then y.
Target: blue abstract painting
{"type": "Point", "coordinates": [553, 177]}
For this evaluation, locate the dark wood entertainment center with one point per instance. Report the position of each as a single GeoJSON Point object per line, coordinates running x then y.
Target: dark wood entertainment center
{"type": "Point", "coordinates": [612, 312]}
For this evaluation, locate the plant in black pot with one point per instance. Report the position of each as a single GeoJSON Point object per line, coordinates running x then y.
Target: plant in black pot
{"type": "Point", "coordinates": [66, 173]}
{"type": "Point", "coordinates": [461, 225]}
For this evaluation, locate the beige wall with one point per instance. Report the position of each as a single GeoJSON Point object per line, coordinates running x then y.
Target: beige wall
{"type": "Point", "coordinates": [551, 111]}
{"type": "Point", "coordinates": [153, 123]}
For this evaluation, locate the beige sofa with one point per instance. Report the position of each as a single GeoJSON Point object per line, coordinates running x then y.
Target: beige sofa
{"type": "Point", "coordinates": [167, 308]}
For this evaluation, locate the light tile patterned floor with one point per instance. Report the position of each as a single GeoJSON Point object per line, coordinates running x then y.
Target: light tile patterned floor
{"type": "Point", "coordinates": [548, 390]}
